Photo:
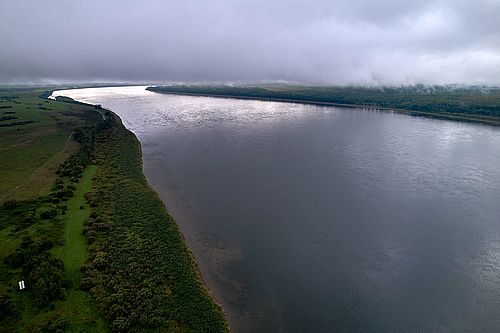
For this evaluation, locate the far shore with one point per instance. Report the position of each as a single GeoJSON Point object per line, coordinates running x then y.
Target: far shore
{"type": "Point", "coordinates": [436, 115]}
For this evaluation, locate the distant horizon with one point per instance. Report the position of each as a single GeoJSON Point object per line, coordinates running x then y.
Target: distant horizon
{"type": "Point", "coordinates": [97, 84]}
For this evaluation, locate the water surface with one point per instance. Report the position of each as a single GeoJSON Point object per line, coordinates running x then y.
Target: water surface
{"type": "Point", "coordinates": [318, 219]}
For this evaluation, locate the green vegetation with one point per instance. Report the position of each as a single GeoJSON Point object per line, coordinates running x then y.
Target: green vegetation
{"type": "Point", "coordinates": [94, 244]}
{"type": "Point", "coordinates": [139, 270]}
{"type": "Point", "coordinates": [74, 251]}
{"type": "Point", "coordinates": [476, 104]}
{"type": "Point", "coordinates": [37, 234]}
{"type": "Point", "coordinates": [35, 143]}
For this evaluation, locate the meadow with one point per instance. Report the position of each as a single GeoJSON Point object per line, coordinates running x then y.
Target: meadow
{"type": "Point", "coordinates": [36, 141]}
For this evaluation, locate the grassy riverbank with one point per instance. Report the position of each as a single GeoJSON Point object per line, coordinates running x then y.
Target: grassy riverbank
{"type": "Point", "coordinates": [140, 271]}
{"type": "Point", "coordinates": [81, 226]}
{"type": "Point", "coordinates": [471, 104]}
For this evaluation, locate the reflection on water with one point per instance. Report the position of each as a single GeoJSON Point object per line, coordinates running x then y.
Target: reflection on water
{"type": "Point", "coordinates": [307, 218]}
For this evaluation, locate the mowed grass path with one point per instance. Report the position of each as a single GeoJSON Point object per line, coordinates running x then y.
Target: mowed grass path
{"type": "Point", "coordinates": [74, 254]}
{"type": "Point", "coordinates": [74, 251]}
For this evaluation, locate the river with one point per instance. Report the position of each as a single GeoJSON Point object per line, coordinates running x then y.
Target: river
{"type": "Point", "coordinates": [306, 218]}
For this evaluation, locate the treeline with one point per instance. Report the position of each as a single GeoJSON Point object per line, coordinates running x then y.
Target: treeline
{"type": "Point", "coordinates": [139, 269]}
{"type": "Point", "coordinates": [17, 123]}
{"type": "Point", "coordinates": [464, 100]}
{"type": "Point", "coordinates": [77, 162]}
{"type": "Point", "coordinates": [4, 118]}
{"type": "Point", "coordinates": [66, 99]}
{"type": "Point", "coordinates": [86, 137]}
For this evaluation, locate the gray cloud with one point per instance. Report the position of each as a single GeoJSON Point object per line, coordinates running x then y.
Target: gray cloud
{"type": "Point", "coordinates": [316, 42]}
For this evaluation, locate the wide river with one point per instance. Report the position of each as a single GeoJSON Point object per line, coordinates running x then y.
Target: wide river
{"type": "Point", "coordinates": [317, 219]}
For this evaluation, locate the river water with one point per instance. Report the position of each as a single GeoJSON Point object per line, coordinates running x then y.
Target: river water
{"type": "Point", "coordinates": [317, 219]}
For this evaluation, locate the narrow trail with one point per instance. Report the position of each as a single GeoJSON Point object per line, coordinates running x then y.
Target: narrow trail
{"type": "Point", "coordinates": [9, 194]}
{"type": "Point", "coordinates": [55, 156]}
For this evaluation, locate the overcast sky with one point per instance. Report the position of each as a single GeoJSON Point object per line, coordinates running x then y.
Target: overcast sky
{"type": "Point", "coordinates": [343, 42]}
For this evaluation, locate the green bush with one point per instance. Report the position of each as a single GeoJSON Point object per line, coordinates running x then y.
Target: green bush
{"type": "Point", "coordinates": [10, 204]}
{"type": "Point", "coordinates": [48, 214]}
{"type": "Point", "coordinates": [46, 280]}
{"type": "Point", "coordinates": [7, 307]}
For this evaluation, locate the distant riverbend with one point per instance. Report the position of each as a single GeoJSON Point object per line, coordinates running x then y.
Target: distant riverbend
{"type": "Point", "coordinates": [307, 218]}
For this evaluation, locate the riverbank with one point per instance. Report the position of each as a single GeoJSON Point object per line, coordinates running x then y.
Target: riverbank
{"type": "Point", "coordinates": [456, 116]}
{"type": "Point", "coordinates": [129, 271]}
{"type": "Point", "coordinates": [190, 237]}
{"type": "Point", "coordinates": [148, 279]}
{"type": "Point", "coordinates": [212, 260]}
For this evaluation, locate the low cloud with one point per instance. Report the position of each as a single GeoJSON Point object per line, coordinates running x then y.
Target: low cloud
{"type": "Point", "coordinates": [343, 42]}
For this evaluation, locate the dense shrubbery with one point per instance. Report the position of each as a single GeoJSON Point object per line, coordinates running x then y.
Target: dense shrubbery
{"type": "Point", "coordinates": [77, 162]}
{"type": "Point", "coordinates": [5, 118]}
{"type": "Point", "coordinates": [139, 270]}
{"type": "Point", "coordinates": [45, 277]}
{"type": "Point", "coordinates": [48, 214]}
{"type": "Point", "coordinates": [17, 123]}
{"type": "Point", "coordinates": [7, 307]}
{"type": "Point", "coordinates": [10, 204]}
{"type": "Point", "coordinates": [85, 136]}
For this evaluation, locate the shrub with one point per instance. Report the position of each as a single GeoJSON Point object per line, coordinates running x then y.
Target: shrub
{"type": "Point", "coordinates": [48, 214]}
{"type": "Point", "coordinates": [10, 204]}
{"type": "Point", "coordinates": [47, 279]}
{"type": "Point", "coordinates": [29, 216]}
{"type": "Point", "coordinates": [7, 307]}
{"type": "Point", "coordinates": [46, 244]}
{"type": "Point", "coordinates": [56, 325]}
{"type": "Point", "coordinates": [15, 259]}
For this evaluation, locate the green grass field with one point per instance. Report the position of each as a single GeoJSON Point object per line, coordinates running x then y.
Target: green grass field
{"type": "Point", "coordinates": [32, 152]}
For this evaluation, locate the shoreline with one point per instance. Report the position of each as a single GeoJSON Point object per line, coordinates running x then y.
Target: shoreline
{"type": "Point", "coordinates": [200, 271]}
{"type": "Point", "coordinates": [189, 240]}
{"type": "Point", "coordinates": [435, 115]}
